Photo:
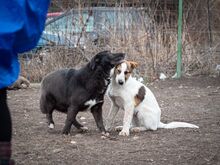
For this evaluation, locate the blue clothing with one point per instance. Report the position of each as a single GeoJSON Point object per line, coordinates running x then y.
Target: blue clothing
{"type": "Point", "coordinates": [21, 24]}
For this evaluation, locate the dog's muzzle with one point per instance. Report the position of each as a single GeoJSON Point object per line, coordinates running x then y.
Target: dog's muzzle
{"type": "Point", "coordinates": [120, 82]}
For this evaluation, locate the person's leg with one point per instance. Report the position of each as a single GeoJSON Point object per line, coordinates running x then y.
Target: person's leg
{"type": "Point", "coordinates": [5, 118]}
{"type": "Point", "coordinates": [5, 130]}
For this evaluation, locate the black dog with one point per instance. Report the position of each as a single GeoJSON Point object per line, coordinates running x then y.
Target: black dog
{"type": "Point", "coordinates": [71, 91]}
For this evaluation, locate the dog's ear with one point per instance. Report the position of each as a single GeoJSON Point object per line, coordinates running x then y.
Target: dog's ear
{"type": "Point", "coordinates": [133, 64]}
{"type": "Point", "coordinates": [112, 71]}
{"type": "Point", "coordinates": [97, 59]}
{"type": "Point", "coordinates": [94, 62]}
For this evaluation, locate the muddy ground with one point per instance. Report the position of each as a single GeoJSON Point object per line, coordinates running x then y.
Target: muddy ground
{"type": "Point", "coordinates": [195, 100]}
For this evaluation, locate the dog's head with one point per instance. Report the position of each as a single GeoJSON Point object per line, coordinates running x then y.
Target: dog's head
{"type": "Point", "coordinates": [106, 61]}
{"type": "Point", "coordinates": [123, 71]}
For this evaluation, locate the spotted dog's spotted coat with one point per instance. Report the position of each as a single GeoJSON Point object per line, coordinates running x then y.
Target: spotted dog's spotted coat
{"type": "Point", "coordinates": [141, 110]}
{"type": "Point", "coordinates": [139, 96]}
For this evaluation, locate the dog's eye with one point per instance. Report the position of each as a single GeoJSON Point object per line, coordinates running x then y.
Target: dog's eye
{"type": "Point", "coordinates": [126, 72]}
{"type": "Point", "coordinates": [118, 71]}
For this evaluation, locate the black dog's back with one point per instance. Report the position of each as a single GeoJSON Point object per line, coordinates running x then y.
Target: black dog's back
{"type": "Point", "coordinates": [61, 88]}
{"type": "Point", "coordinates": [53, 79]}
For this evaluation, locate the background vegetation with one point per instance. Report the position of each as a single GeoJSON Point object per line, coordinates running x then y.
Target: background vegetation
{"type": "Point", "coordinates": [152, 42]}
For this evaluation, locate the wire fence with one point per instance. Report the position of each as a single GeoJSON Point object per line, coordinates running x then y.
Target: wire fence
{"type": "Point", "coordinates": [145, 30]}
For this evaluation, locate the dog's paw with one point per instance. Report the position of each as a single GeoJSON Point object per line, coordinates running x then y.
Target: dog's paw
{"type": "Point", "coordinates": [84, 128]}
{"type": "Point", "coordinates": [136, 130]}
{"type": "Point", "coordinates": [124, 133]}
{"type": "Point", "coordinates": [106, 134]}
{"type": "Point", "coordinates": [51, 126]}
{"type": "Point", "coordinates": [118, 128]}
{"type": "Point", "coordinates": [65, 132]}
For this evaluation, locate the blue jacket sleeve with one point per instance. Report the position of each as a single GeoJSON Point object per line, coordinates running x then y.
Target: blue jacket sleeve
{"type": "Point", "coordinates": [21, 24]}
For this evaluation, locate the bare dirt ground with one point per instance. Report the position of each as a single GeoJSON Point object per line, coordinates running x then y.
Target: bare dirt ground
{"type": "Point", "coordinates": [195, 100]}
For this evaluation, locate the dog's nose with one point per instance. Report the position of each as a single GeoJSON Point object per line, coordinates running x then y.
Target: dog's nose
{"type": "Point", "coordinates": [120, 82]}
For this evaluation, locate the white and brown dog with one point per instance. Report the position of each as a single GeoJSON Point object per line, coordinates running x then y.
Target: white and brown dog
{"type": "Point", "coordinates": [141, 110]}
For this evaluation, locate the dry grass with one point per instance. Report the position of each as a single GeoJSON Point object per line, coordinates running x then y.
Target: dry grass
{"type": "Point", "coordinates": [153, 45]}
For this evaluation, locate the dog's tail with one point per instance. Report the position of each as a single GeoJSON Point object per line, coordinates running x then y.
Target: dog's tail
{"type": "Point", "coordinates": [43, 102]}
{"type": "Point", "coordinates": [177, 125]}
{"type": "Point", "coordinates": [42, 105]}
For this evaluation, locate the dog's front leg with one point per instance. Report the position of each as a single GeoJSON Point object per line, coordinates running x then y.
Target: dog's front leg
{"type": "Point", "coordinates": [111, 116]}
{"type": "Point", "coordinates": [97, 114]}
{"type": "Point", "coordinates": [128, 115]}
